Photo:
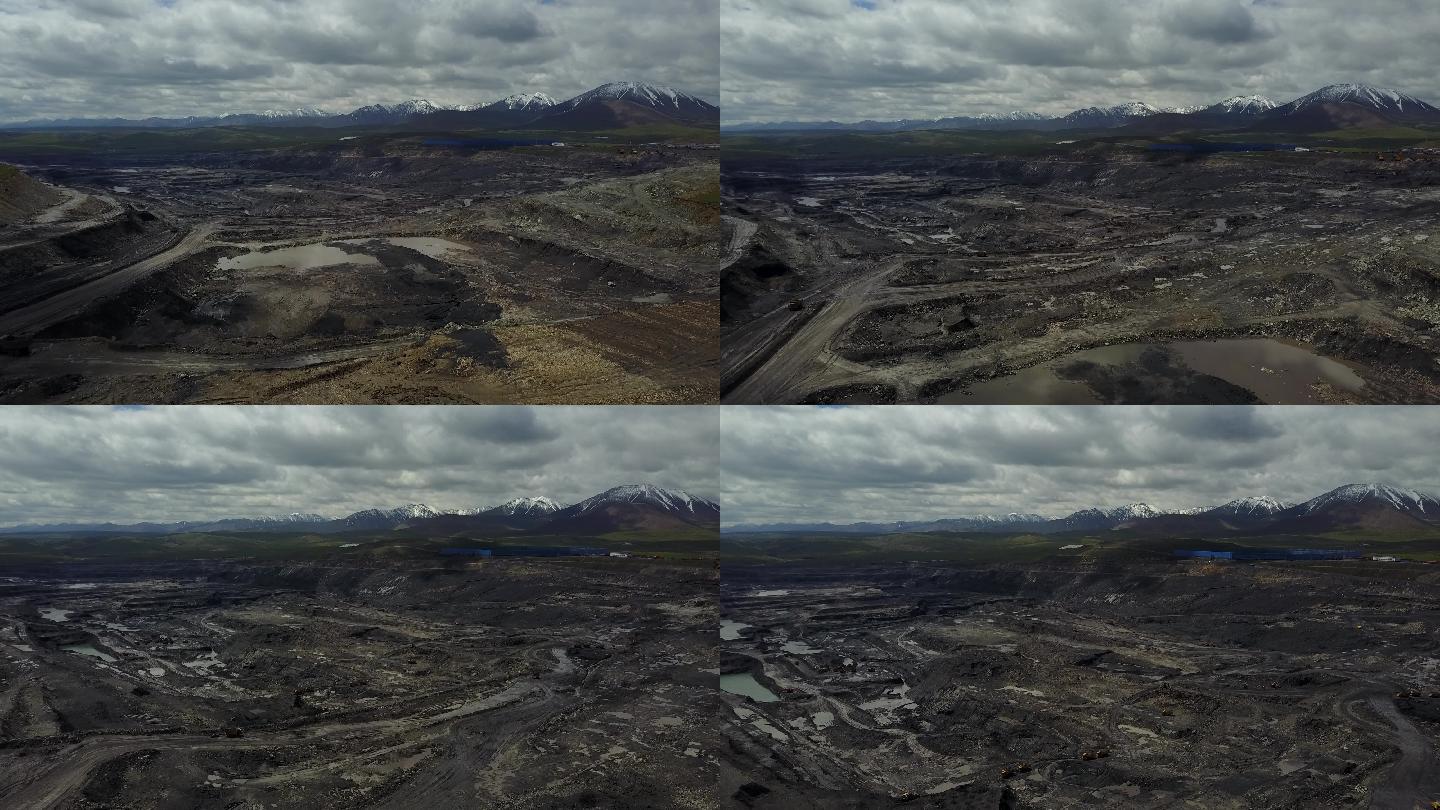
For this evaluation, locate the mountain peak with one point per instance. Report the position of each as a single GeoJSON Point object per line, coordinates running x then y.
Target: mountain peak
{"type": "Point", "coordinates": [650, 95]}
{"type": "Point", "coordinates": [1382, 99]}
{"type": "Point", "coordinates": [1403, 499]}
{"type": "Point", "coordinates": [1253, 506]}
{"type": "Point", "coordinates": [525, 101]}
{"type": "Point", "coordinates": [676, 500]}
{"type": "Point", "coordinates": [1246, 105]}
{"type": "Point", "coordinates": [526, 506]}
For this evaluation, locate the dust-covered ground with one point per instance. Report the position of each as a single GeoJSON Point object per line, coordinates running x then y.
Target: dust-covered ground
{"type": "Point", "coordinates": [505, 683]}
{"type": "Point", "coordinates": [380, 271]}
{"type": "Point", "coordinates": [1152, 685]}
{"type": "Point", "coordinates": [1085, 277]}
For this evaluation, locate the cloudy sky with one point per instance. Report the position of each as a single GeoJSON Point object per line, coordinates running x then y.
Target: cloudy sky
{"type": "Point", "coordinates": [135, 58]}
{"type": "Point", "coordinates": [913, 463]}
{"type": "Point", "coordinates": [183, 463]}
{"type": "Point", "coordinates": [848, 60]}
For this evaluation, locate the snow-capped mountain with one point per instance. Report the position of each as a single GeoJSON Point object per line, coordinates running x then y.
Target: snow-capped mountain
{"type": "Point", "coordinates": [1013, 115]}
{"type": "Point", "coordinates": [300, 112]}
{"type": "Point", "coordinates": [1184, 110]}
{"type": "Point", "coordinates": [1253, 507]}
{"type": "Point", "coordinates": [528, 507]}
{"type": "Point", "coordinates": [415, 106]}
{"type": "Point", "coordinates": [293, 517]}
{"type": "Point", "coordinates": [388, 518]}
{"type": "Point", "coordinates": [672, 500]}
{"type": "Point", "coordinates": [1096, 519]}
{"type": "Point", "coordinates": [1115, 116]}
{"type": "Point", "coordinates": [635, 506]}
{"type": "Point", "coordinates": [626, 103]}
{"type": "Point", "coordinates": [1406, 500]}
{"type": "Point", "coordinates": [527, 102]}
{"type": "Point", "coordinates": [1380, 99]}
{"type": "Point", "coordinates": [650, 95]}
{"type": "Point", "coordinates": [1241, 105]}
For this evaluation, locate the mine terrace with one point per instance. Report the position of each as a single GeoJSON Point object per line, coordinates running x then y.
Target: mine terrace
{"type": "Point", "coordinates": [231, 265]}
{"type": "Point", "coordinates": [1174, 683]}
{"type": "Point", "coordinates": [876, 269]}
{"type": "Point", "coordinates": [522, 682]}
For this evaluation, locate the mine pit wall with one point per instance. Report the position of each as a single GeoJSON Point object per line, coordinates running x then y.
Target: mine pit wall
{"type": "Point", "coordinates": [417, 585]}
{"type": "Point", "coordinates": [1130, 172]}
{"type": "Point", "coordinates": [1143, 588]}
{"type": "Point", "coordinates": [132, 233]}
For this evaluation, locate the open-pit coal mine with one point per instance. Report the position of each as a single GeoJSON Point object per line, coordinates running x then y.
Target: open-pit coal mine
{"type": "Point", "coordinates": [375, 270]}
{"type": "Point", "coordinates": [1196, 684]}
{"type": "Point", "coordinates": [1080, 277]}
{"type": "Point", "coordinates": [516, 683]}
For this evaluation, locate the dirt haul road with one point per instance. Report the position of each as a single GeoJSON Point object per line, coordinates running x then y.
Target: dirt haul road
{"type": "Point", "coordinates": [57, 308]}
{"type": "Point", "coordinates": [73, 766]}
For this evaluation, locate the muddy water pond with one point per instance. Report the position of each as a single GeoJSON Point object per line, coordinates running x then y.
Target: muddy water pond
{"type": "Point", "coordinates": [744, 683]}
{"type": "Point", "coordinates": [1200, 372]}
{"type": "Point", "coordinates": [730, 631]}
{"type": "Point", "coordinates": [300, 257]}
{"type": "Point", "coordinates": [86, 649]}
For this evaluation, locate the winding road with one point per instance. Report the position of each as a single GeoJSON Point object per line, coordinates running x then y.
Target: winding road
{"type": "Point", "coordinates": [37, 316]}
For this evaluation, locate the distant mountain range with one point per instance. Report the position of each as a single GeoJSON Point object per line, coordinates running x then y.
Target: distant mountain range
{"type": "Point", "coordinates": [1352, 506]}
{"type": "Point", "coordinates": [624, 508]}
{"type": "Point", "coordinates": [1337, 106]}
{"type": "Point", "coordinates": [610, 106]}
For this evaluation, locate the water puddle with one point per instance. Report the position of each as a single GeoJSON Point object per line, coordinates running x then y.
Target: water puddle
{"type": "Point", "coordinates": [800, 648]}
{"type": "Point", "coordinates": [745, 684]}
{"type": "Point", "coordinates": [730, 631]}
{"type": "Point", "coordinates": [86, 649]}
{"type": "Point", "coordinates": [55, 614]}
{"type": "Point", "coordinates": [563, 665]}
{"type": "Point", "coordinates": [300, 257]}
{"type": "Point", "coordinates": [1187, 371]}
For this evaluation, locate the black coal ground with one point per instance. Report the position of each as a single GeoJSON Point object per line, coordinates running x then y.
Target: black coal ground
{"type": "Point", "coordinates": [1164, 685]}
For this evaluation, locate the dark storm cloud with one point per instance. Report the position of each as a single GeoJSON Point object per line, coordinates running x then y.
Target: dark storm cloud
{"type": "Point", "coordinates": [63, 58]}
{"type": "Point", "coordinates": [912, 463]}
{"type": "Point", "coordinates": [83, 463]}
{"type": "Point", "coordinates": [830, 59]}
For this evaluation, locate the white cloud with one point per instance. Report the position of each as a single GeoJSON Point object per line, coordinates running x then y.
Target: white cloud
{"type": "Point", "coordinates": [178, 463]}
{"type": "Point", "coordinates": [833, 59]}
{"type": "Point", "coordinates": [922, 462]}
{"type": "Point", "coordinates": [61, 58]}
